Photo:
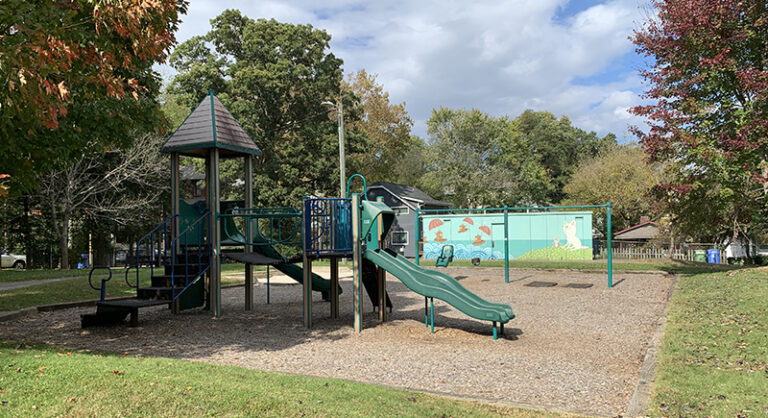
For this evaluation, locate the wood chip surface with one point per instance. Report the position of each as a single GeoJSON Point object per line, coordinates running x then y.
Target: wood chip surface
{"type": "Point", "coordinates": [569, 349]}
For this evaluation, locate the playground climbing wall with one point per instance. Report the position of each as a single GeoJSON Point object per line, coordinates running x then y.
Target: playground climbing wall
{"type": "Point", "coordinates": [532, 236]}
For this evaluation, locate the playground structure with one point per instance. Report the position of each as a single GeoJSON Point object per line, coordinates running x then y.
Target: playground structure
{"type": "Point", "coordinates": [189, 243]}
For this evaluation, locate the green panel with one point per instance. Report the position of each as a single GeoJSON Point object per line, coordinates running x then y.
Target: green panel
{"type": "Point", "coordinates": [188, 214]}
{"type": "Point", "coordinates": [193, 297]}
{"type": "Point", "coordinates": [435, 284]}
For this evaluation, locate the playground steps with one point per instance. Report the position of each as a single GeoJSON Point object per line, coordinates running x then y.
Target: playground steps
{"type": "Point", "coordinates": [160, 292]}
{"type": "Point", "coordinates": [113, 312]}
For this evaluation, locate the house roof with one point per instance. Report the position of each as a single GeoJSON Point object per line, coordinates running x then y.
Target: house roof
{"type": "Point", "coordinates": [632, 228]}
{"type": "Point", "coordinates": [188, 173]}
{"type": "Point", "coordinates": [409, 193]}
{"type": "Point", "coordinates": [210, 125]}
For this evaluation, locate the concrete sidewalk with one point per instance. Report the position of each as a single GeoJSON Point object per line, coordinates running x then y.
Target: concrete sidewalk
{"type": "Point", "coordinates": [27, 283]}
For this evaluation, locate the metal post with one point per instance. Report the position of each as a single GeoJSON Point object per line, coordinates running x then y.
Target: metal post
{"type": "Point", "coordinates": [267, 285]}
{"type": "Point", "coordinates": [432, 315]}
{"type": "Point", "coordinates": [175, 179]}
{"type": "Point", "coordinates": [610, 252]}
{"type": "Point", "coordinates": [307, 279]}
{"type": "Point", "coordinates": [506, 244]}
{"type": "Point", "coordinates": [215, 238]}
{"type": "Point", "coordinates": [357, 301]}
{"type": "Point", "coordinates": [381, 275]}
{"type": "Point", "coordinates": [248, 166]}
{"type": "Point", "coordinates": [416, 238]}
{"type": "Point", "coordinates": [342, 175]}
{"type": "Point", "coordinates": [426, 313]}
{"type": "Point", "coordinates": [334, 287]}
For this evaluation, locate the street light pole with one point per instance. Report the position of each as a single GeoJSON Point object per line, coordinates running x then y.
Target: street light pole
{"type": "Point", "coordinates": [342, 177]}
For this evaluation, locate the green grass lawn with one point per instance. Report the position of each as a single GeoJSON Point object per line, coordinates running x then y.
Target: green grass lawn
{"type": "Point", "coordinates": [77, 289]}
{"type": "Point", "coordinates": [714, 356]}
{"type": "Point", "coordinates": [48, 381]}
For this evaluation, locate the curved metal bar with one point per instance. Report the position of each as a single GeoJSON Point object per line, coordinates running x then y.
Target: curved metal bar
{"type": "Point", "coordinates": [128, 269]}
{"type": "Point", "coordinates": [365, 187]}
{"type": "Point", "coordinates": [103, 281]}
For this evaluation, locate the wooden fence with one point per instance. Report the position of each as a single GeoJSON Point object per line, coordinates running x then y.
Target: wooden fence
{"type": "Point", "coordinates": [650, 253]}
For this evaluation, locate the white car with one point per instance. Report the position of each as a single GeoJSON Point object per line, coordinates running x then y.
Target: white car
{"type": "Point", "coordinates": [12, 260]}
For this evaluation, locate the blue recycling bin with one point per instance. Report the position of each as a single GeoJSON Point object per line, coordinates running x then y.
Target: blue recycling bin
{"type": "Point", "coordinates": [713, 256]}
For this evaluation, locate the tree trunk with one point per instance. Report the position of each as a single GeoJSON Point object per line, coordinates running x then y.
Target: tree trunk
{"type": "Point", "coordinates": [64, 241]}
{"type": "Point", "coordinates": [31, 261]}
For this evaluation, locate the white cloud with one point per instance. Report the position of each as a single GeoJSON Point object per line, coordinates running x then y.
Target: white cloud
{"type": "Point", "coordinates": [498, 56]}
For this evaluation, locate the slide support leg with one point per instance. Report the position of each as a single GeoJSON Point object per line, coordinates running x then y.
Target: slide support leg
{"type": "Point", "coordinates": [432, 315]}
{"type": "Point", "coordinates": [248, 287]}
{"type": "Point", "coordinates": [426, 313]}
{"type": "Point", "coordinates": [334, 287]}
{"type": "Point", "coordinates": [495, 336]}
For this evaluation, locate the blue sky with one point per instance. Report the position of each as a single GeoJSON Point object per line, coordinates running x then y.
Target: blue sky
{"type": "Point", "coordinates": [571, 58]}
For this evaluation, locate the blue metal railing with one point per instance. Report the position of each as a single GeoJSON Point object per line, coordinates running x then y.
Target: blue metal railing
{"type": "Point", "coordinates": [163, 230]}
{"type": "Point", "coordinates": [328, 227]}
{"type": "Point", "coordinates": [189, 244]}
{"type": "Point", "coordinates": [196, 230]}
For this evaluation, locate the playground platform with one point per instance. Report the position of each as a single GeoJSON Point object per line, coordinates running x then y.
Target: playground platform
{"type": "Point", "coordinates": [577, 349]}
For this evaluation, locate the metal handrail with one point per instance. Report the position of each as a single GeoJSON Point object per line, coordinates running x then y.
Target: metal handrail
{"type": "Point", "coordinates": [103, 287]}
{"type": "Point", "coordinates": [151, 236]}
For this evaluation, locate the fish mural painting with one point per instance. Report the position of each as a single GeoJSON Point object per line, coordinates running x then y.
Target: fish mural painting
{"type": "Point", "coordinates": [532, 236]}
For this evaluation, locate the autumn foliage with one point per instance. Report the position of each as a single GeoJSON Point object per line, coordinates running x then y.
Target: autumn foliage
{"type": "Point", "coordinates": [55, 46]}
{"type": "Point", "coordinates": [707, 110]}
{"type": "Point", "coordinates": [60, 53]}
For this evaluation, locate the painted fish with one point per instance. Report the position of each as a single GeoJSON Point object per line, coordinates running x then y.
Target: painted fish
{"type": "Point", "coordinates": [478, 240]}
{"type": "Point", "coordinates": [485, 229]}
{"type": "Point", "coordinates": [434, 223]}
{"type": "Point", "coordinates": [468, 220]}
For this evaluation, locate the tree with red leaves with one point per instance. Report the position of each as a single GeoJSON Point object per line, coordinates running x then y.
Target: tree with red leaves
{"type": "Point", "coordinates": [62, 53]}
{"type": "Point", "coordinates": [708, 112]}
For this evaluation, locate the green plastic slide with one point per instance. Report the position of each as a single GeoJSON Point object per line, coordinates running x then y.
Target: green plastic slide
{"type": "Point", "coordinates": [293, 271]}
{"type": "Point", "coordinates": [435, 284]}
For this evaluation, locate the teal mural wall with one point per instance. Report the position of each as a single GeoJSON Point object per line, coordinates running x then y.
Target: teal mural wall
{"type": "Point", "coordinates": [532, 236]}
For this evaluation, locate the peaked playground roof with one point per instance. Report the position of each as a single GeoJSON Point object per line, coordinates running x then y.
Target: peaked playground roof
{"type": "Point", "coordinates": [209, 126]}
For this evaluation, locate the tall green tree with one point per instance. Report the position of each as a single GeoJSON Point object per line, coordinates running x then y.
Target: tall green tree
{"type": "Point", "coordinates": [385, 128]}
{"type": "Point", "coordinates": [619, 175]}
{"type": "Point", "coordinates": [475, 160]}
{"type": "Point", "coordinates": [560, 147]}
{"type": "Point", "coordinates": [708, 111]}
{"type": "Point", "coordinates": [274, 78]}
{"type": "Point", "coordinates": [60, 57]}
